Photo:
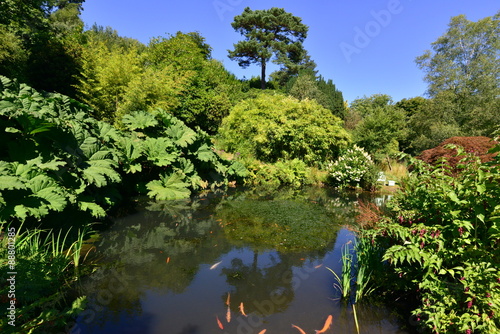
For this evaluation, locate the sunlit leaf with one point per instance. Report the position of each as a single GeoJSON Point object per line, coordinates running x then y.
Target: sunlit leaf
{"type": "Point", "coordinates": [168, 188]}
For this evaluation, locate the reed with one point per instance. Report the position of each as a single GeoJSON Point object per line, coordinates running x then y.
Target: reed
{"type": "Point", "coordinates": [364, 268]}
{"type": "Point", "coordinates": [344, 282]}
{"type": "Point", "coordinates": [45, 258]}
{"type": "Point", "coordinates": [355, 317]}
{"type": "Point", "coordinates": [47, 245]}
{"type": "Point", "coordinates": [76, 247]}
{"type": "Point", "coordinates": [346, 270]}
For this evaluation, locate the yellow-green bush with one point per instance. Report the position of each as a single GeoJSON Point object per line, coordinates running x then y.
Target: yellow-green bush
{"type": "Point", "coordinates": [274, 127]}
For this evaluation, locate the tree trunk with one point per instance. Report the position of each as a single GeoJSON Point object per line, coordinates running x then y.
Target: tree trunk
{"type": "Point", "coordinates": [263, 74]}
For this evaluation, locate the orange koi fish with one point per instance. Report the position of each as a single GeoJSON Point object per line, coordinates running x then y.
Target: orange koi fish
{"type": "Point", "coordinates": [228, 314]}
{"type": "Point", "coordinates": [228, 298]}
{"type": "Point", "coordinates": [168, 259]}
{"type": "Point", "coordinates": [318, 266]}
{"type": "Point", "coordinates": [242, 309]}
{"type": "Point", "coordinates": [327, 325]}
{"type": "Point", "coordinates": [263, 331]}
{"type": "Point", "coordinates": [219, 323]}
{"type": "Point", "coordinates": [300, 329]}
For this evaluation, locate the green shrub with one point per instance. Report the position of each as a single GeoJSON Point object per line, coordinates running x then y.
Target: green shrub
{"type": "Point", "coordinates": [274, 127]}
{"type": "Point", "coordinates": [440, 242]}
{"type": "Point", "coordinates": [354, 168]}
{"type": "Point", "coordinates": [293, 173]}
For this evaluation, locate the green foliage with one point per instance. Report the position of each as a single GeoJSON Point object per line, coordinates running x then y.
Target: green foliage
{"type": "Point", "coordinates": [332, 97]}
{"type": "Point", "coordinates": [352, 169]}
{"type": "Point", "coordinates": [272, 127]}
{"type": "Point", "coordinates": [440, 242]}
{"type": "Point", "coordinates": [267, 33]}
{"type": "Point", "coordinates": [463, 70]}
{"type": "Point", "coordinates": [208, 97]}
{"type": "Point", "coordinates": [52, 154]}
{"type": "Point", "coordinates": [168, 187]}
{"type": "Point", "coordinates": [291, 173]}
{"type": "Point", "coordinates": [107, 71]}
{"type": "Point", "coordinates": [54, 157]}
{"type": "Point", "coordinates": [48, 260]}
{"type": "Point", "coordinates": [13, 56]}
{"type": "Point", "coordinates": [306, 85]}
{"type": "Point", "coordinates": [175, 74]}
{"type": "Point", "coordinates": [40, 40]}
{"type": "Point", "coordinates": [382, 125]}
{"type": "Point", "coordinates": [423, 125]}
{"type": "Point", "coordinates": [290, 70]}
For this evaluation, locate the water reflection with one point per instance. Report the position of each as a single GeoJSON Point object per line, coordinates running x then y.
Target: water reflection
{"type": "Point", "coordinates": [170, 267]}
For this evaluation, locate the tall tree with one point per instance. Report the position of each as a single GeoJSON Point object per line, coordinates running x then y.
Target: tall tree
{"type": "Point", "coordinates": [464, 65]}
{"type": "Point", "coordinates": [39, 42]}
{"type": "Point", "coordinates": [307, 85]}
{"type": "Point", "coordinates": [333, 98]}
{"type": "Point", "coordinates": [267, 33]}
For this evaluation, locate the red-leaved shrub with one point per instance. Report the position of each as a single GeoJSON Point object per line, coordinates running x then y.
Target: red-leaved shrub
{"type": "Point", "coordinates": [478, 146]}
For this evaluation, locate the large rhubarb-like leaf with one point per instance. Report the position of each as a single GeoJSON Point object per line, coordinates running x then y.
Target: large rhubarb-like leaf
{"type": "Point", "coordinates": [168, 188]}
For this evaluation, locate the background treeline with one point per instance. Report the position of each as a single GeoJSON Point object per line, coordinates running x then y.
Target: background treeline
{"type": "Point", "coordinates": [45, 44]}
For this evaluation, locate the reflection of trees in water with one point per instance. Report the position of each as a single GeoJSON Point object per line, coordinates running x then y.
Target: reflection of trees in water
{"type": "Point", "coordinates": [263, 290]}
{"type": "Point", "coordinates": [372, 318]}
{"type": "Point", "coordinates": [162, 248]}
{"type": "Point", "coordinates": [267, 287]}
{"type": "Point", "coordinates": [301, 226]}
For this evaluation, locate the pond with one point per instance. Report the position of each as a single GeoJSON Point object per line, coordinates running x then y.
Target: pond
{"type": "Point", "coordinates": [235, 263]}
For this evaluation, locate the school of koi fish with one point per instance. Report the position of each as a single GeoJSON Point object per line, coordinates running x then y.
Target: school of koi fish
{"type": "Point", "coordinates": [326, 326]}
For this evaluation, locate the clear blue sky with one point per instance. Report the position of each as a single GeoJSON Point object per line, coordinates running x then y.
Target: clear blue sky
{"type": "Point", "coordinates": [365, 47]}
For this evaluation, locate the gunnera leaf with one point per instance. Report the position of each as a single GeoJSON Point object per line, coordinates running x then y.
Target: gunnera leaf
{"type": "Point", "coordinates": [169, 187]}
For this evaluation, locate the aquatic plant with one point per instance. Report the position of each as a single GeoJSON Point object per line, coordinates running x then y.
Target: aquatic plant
{"type": "Point", "coordinates": [344, 282]}
{"type": "Point", "coordinates": [289, 225]}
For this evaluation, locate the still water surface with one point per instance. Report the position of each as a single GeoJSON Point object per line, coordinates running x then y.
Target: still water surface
{"type": "Point", "coordinates": [194, 267]}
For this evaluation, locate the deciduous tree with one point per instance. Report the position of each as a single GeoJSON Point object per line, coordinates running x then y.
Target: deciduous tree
{"type": "Point", "coordinates": [464, 66]}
